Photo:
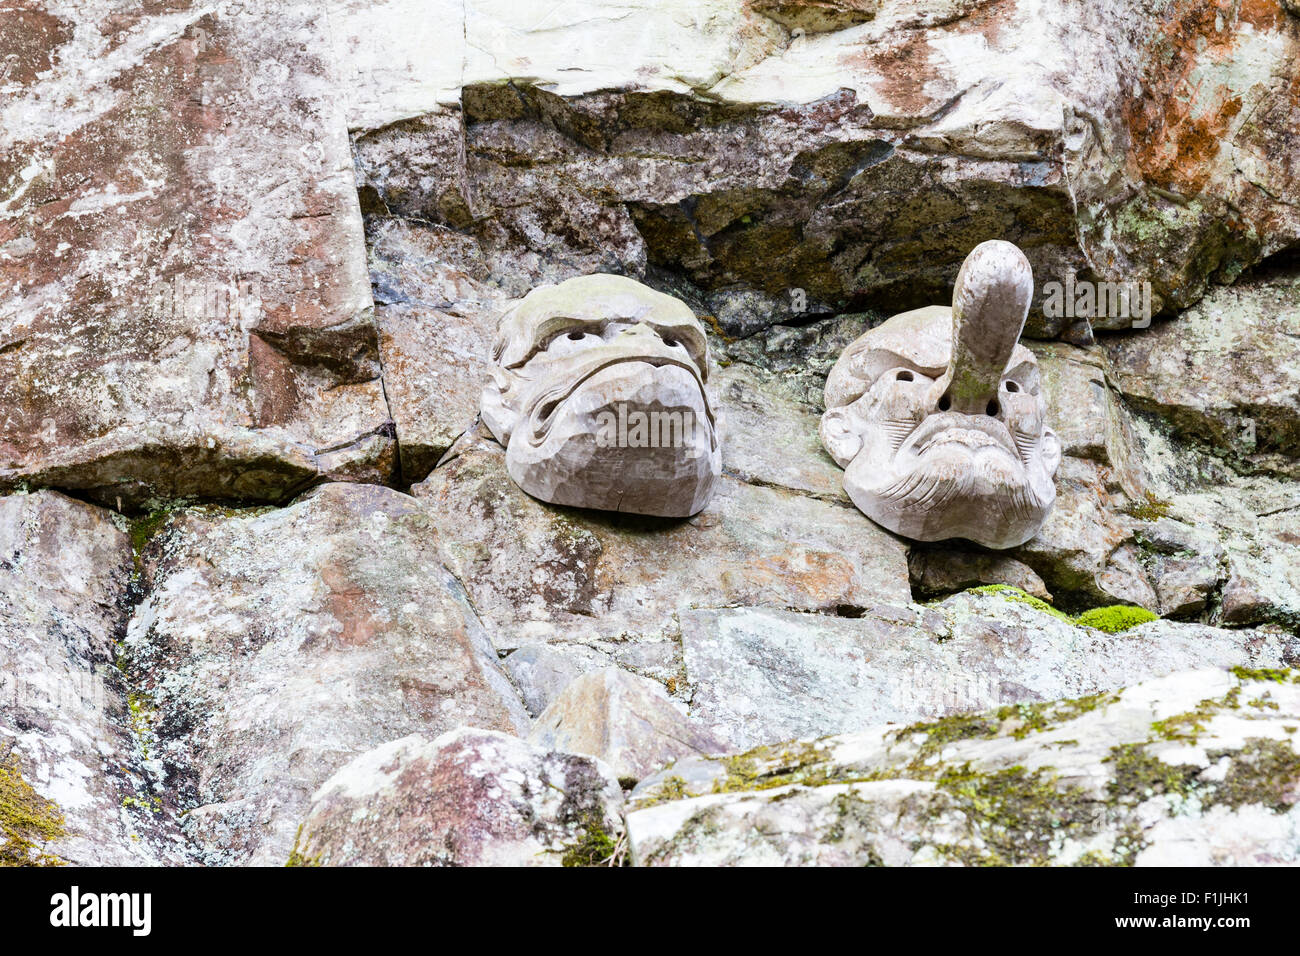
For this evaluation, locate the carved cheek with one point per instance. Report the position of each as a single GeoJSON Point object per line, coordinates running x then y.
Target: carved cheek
{"type": "Point", "coordinates": [1024, 417]}
{"type": "Point", "coordinates": [895, 409]}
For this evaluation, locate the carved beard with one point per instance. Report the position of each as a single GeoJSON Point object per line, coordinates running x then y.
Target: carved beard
{"type": "Point", "coordinates": [617, 433]}
{"type": "Point", "coordinates": [952, 476]}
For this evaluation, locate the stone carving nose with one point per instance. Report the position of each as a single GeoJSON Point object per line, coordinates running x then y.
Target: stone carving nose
{"type": "Point", "coordinates": [989, 304]}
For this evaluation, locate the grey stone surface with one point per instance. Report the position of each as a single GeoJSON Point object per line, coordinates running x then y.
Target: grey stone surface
{"type": "Point", "coordinates": [1199, 768]}
{"type": "Point", "coordinates": [273, 647]}
{"type": "Point", "coordinates": [467, 798]}
{"type": "Point", "coordinates": [626, 721]}
{"type": "Point", "coordinates": [759, 675]}
{"type": "Point", "coordinates": [66, 726]}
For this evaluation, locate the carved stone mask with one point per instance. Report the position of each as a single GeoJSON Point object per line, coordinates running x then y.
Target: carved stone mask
{"type": "Point", "coordinates": [937, 415]}
{"type": "Point", "coordinates": [598, 397]}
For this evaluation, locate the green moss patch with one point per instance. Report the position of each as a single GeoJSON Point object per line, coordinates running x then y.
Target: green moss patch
{"type": "Point", "coordinates": [26, 820]}
{"type": "Point", "coordinates": [1018, 815]}
{"type": "Point", "coordinates": [1116, 618]}
{"type": "Point", "coordinates": [297, 857]}
{"type": "Point", "coordinates": [1112, 619]}
{"type": "Point", "coordinates": [598, 847]}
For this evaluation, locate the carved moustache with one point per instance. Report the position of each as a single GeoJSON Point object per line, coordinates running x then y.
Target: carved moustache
{"type": "Point", "coordinates": [543, 401]}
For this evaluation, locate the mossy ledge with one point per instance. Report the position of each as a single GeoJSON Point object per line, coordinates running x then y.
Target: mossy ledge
{"type": "Point", "coordinates": [597, 847]}
{"type": "Point", "coordinates": [1113, 618]}
{"type": "Point", "coordinates": [1010, 813]}
{"type": "Point", "coordinates": [27, 820]}
{"type": "Point", "coordinates": [296, 855]}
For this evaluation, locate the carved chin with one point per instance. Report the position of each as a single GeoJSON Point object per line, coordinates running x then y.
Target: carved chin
{"type": "Point", "coordinates": [983, 494]}
{"type": "Point", "coordinates": [634, 437]}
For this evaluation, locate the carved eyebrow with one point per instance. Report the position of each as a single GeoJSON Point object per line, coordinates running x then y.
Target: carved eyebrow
{"type": "Point", "coordinates": [546, 331]}
{"type": "Point", "coordinates": [873, 363]}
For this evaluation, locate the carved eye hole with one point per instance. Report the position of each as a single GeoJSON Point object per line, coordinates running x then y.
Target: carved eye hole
{"type": "Point", "coordinates": [1012, 387]}
{"type": "Point", "coordinates": [904, 375]}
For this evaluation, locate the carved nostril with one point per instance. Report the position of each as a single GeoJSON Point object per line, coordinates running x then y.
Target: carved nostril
{"type": "Point", "coordinates": [992, 409]}
{"type": "Point", "coordinates": [945, 403]}
{"type": "Point", "coordinates": [904, 376]}
{"type": "Point", "coordinates": [576, 336]}
{"type": "Point", "coordinates": [669, 341]}
{"type": "Point", "coordinates": [1012, 387]}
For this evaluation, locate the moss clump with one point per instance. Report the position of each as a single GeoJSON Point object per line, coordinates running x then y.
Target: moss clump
{"type": "Point", "coordinates": [1189, 725]}
{"type": "Point", "coordinates": [297, 857]}
{"type": "Point", "coordinates": [1149, 508]}
{"type": "Point", "coordinates": [1139, 775]}
{"type": "Point", "coordinates": [1274, 674]}
{"type": "Point", "coordinates": [1263, 772]}
{"type": "Point", "coordinates": [141, 722]}
{"type": "Point", "coordinates": [598, 847]}
{"type": "Point", "coordinates": [1022, 597]}
{"type": "Point", "coordinates": [1112, 619]}
{"type": "Point", "coordinates": [145, 529]}
{"type": "Point", "coordinates": [1019, 815]}
{"type": "Point", "coordinates": [1116, 618]}
{"type": "Point", "coordinates": [1038, 717]}
{"type": "Point", "coordinates": [766, 768]}
{"type": "Point", "coordinates": [26, 820]}
{"type": "Point", "coordinates": [940, 733]}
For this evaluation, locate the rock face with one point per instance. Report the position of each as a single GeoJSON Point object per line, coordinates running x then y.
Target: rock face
{"type": "Point", "coordinates": [748, 146]}
{"type": "Point", "coordinates": [468, 798]}
{"type": "Point", "coordinates": [437, 321]}
{"type": "Point", "coordinates": [625, 720]}
{"type": "Point", "coordinates": [760, 675]}
{"type": "Point", "coordinates": [255, 256]}
{"type": "Point", "coordinates": [537, 573]}
{"type": "Point", "coordinates": [65, 713]}
{"type": "Point", "coordinates": [1224, 373]}
{"type": "Point", "coordinates": [1201, 768]}
{"type": "Point", "coordinates": [189, 312]}
{"type": "Point", "coordinates": [274, 647]}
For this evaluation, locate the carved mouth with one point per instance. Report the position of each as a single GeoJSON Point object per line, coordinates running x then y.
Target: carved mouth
{"type": "Point", "coordinates": [969, 431]}
{"type": "Point", "coordinates": [548, 404]}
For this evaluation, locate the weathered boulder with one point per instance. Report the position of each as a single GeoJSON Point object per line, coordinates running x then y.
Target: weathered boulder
{"type": "Point", "coordinates": [540, 672]}
{"type": "Point", "coordinates": [761, 674]}
{"type": "Point", "coordinates": [437, 307]}
{"type": "Point", "coordinates": [187, 309]}
{"type": "Point", "coordinates": [1224, 372]}
{"type": "Point", "coordinates": [66, 717]}
{"type": "Point", "coordinates": [1199, 768]}
{"type": "Point", "coordinates": [1086, 551]}
{"type": "Point", "coordinates": [625, 720]}
{"type": "Point", "coordinates": [467, 798]}
{"type": "Point", "coordinates": [1255, 562]}
{"type": "Point", "coordinates": [538, 573]}
{"type": "Point", "coordinates": [272, 647]}
{"type": "Point", "coordinates": [949, 568]}
{"type": "Point", "coordinates": [770, 148]}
